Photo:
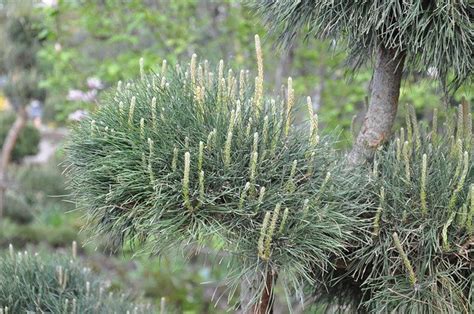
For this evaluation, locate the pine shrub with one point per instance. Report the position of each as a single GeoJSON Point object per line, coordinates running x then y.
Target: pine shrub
{"type": "Point", "coordinates": [193, 153]}
{"type": "Point", "coordinates": [183, 156]}
{"type": "Point", "coordinates": [32, 283]}
{"type": "Point", "coordinates": [421, 256]}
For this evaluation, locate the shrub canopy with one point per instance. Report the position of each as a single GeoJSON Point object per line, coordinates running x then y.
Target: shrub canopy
{"type": "Point", "coordinates": [433, 34]}
{"type": "Point", "coordinates": [420, 256]}
{"type": "Point", "coordinates": [57, 284]}
{"type": "Point", "coordinates": [185, 155]}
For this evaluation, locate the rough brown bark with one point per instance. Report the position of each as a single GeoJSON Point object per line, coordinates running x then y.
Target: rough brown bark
{"type": "Point", "coordinates": [383, 105]}
{"type": "Point", "coordinates": [249, 288]}
{"type": "Point", "coordinates": [7, 149]}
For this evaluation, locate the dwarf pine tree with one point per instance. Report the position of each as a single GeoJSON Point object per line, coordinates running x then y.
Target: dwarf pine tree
{"type": "Point", "coordinates": [410, 36]}
{"type": "Point", "coordinates": [183, 156]}
{"type": "Point", "coordinates": [194, 153]}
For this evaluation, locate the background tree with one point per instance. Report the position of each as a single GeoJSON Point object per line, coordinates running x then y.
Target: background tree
{"type": "Point", "coordinates": [22, 43]}
{"type": "Point", "coordinates": [411, 36]}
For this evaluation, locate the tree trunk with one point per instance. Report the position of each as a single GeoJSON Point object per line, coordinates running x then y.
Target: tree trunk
{"type": "Point", "coordinates": [6, 153]}
{"type": "Point", "coordinates": [378, 121]}
{"type": "Point", "coordinates": [249, 289]}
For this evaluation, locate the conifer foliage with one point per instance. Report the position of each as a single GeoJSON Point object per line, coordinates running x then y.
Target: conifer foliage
{"type": "Point", "coordinates": [185, 156]}
{"type": "Point", "coordinates": [436, 34]}
{"type": "Point", "coordinates": [33, 283]}
{"type": "Point", "coordinates": [194, 153]}
{"type": "Point", "coordinates": [421, 254]}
